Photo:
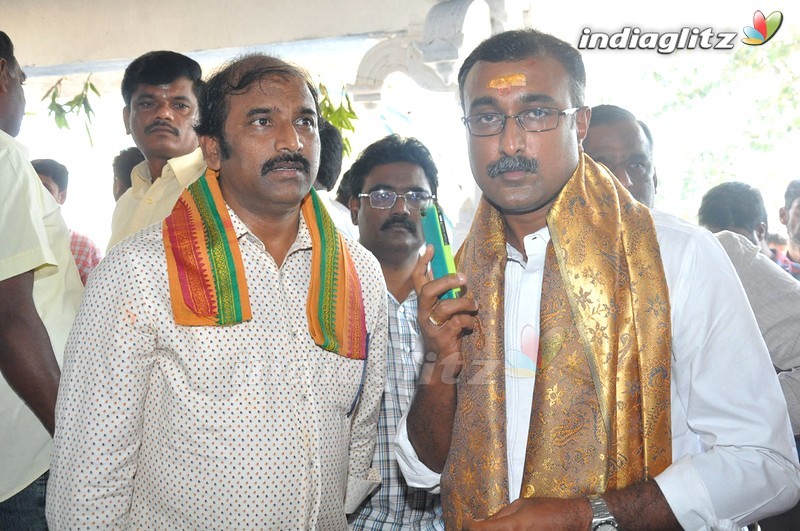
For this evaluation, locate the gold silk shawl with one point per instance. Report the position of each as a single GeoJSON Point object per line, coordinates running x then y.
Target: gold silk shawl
{"type": "Point", "coordinates": [601, 410]}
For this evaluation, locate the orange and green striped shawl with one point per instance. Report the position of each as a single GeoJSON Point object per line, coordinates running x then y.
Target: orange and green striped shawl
{"type": "Point", "coordinates": [206, 274]}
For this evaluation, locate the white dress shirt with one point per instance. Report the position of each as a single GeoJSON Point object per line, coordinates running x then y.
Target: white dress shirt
{"type": "Point", "coordinates": [775, 299]}
{"type": "Point", "coordinates": [734, 458]}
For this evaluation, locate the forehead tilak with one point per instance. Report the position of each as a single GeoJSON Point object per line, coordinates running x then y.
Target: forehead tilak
{"type": "Point", "coordinates": [503, 84]}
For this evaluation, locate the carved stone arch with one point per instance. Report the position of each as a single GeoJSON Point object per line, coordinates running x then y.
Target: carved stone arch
{"type": "Point", "coordinates": [393, 55]}
{"type": "Point", "coordinates": [428, 58]}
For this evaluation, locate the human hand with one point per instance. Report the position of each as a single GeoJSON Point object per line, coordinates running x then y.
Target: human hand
{"type": "Point", "coordinates": [538, 513]}
{"type": "Point", "coordinates": [442, 322]}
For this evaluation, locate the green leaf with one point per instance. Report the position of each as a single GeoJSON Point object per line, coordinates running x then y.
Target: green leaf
{"type": "Point", "coordinates": [61, 121]}
{"type": "Point", "coordinates": [89, 134]}
{"type": "Point", "coordinates": [77, 104]}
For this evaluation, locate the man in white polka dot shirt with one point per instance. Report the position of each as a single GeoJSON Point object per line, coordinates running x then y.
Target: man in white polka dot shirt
{"type": "Point", "coordinates": [247, 425]}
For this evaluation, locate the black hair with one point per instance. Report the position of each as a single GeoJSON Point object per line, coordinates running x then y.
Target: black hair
{"type": "Point", "coordinates": [7, 48]}
{"type": "Point", "coordinates": [732, 205]}
{"type": "Point", "coordinates": [343, 193]}
{"type": "Point", "coordinates": [53, 169]}
{"type": "Point", "coordinates": [792, 193]}
{"type": "Point", "coordinates": [612, 114]}
{"type": "Point", "coordinates": [124, 162]}
{"type": "Point", "coordinates": [160, 68]}
{"type": "Point", "coordinates": [393, 148]}
{"type": "Point", "coordinates": [517, 45]}
{"type": "Point", "coordinates": [330, 157]}
{"type": "Point", "coordinates": [235, 78]}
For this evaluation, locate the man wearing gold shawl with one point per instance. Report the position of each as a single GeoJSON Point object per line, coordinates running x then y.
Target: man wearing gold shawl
{"type": "Point", "coordinates": [227, 369]}
{"type": "Point", "coordinates": [655, 404]}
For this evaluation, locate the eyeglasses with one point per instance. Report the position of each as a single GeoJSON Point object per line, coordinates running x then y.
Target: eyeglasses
{"type": "Point", "coordinates": [533, 120]}
{"type": "Point", "coordinates": [386, 199]}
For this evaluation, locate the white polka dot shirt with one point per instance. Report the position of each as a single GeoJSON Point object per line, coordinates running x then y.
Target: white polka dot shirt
{"type": "Point", "coordinates": [162, 426]}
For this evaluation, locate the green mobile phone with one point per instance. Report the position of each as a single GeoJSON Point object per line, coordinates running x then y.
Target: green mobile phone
{"type": "Point", "coordinates": [435, 233]}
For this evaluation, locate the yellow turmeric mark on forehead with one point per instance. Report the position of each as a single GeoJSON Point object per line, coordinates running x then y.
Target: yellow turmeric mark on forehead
{"type": "Point", "coordinates": [504, 84]}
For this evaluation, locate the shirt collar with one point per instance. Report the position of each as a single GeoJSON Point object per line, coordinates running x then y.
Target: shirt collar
{"type": "Point", "coordinates": [303, 240]}
{"type": "Point", "coordinates": [529, 241]}
{"type": "Point", "coordinates": [184, 169]}
{"type": "Point", "coordinates": [140, 176]}
{"type": "Point", "coordinates": [412, 297]}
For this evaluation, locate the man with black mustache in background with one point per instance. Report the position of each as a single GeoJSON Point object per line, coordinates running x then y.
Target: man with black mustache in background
{"type": "Point", "coordinates": [160, 90]}
{"type": "Point", "coordinates": [227, 369]}
{"type": "Point", "coordinates": [392, 180]}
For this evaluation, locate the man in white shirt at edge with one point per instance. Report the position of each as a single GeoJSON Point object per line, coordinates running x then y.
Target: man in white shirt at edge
{"type": "Point", "coordinates": [40, 291]}
{"type": "Point", "coordinates": [731, 460]}
{"type": "Point", "coordinates": [160, 90]}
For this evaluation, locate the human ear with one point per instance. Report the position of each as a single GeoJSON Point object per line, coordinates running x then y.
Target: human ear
{"type": "Point", "coordinates": [211, 152]}
{"type": "Point", "coordinates": [761, 232]}
{"type": "Point", "coordinates": [126, 116]}
{"type": "Point", "coordinates": [354, 205]}
{"type": "Point", "coordinates": [582, 118]}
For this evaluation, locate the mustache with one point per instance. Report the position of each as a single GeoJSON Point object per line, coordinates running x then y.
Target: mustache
{"type": "Point", "coordinates": [517, 163]}
{"type": "Point", "coordinates": [161, 123]}
{"type": "Point", "coordinates": [404, 221]}
{"type": "Point", "coordinates": [272, 163]}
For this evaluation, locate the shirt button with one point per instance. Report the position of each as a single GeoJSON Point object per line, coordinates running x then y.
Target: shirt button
{"type": "Point", "coordinates": [149, 201]}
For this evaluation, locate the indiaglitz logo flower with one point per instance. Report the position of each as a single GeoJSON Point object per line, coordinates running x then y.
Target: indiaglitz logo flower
{"type": "Point", "coordinates": [763, 29]}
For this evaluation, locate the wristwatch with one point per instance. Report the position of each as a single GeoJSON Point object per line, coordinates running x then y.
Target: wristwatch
{"type": "Point", "coordinates": [602, 519]}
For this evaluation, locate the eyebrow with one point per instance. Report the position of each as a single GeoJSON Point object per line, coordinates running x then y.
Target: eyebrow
{"type": "Point", "coordinates": [259, 110]}
{"type": "Point", "coordinates": [537, 98]}
{"type": "Point", "coordinates": [269, 110]}
{"type": "Point", "coordinates": [145, 94]}
{"type": "Point", "coordinates": [390, 188]}
{"type": "Point", "coordinates": [308, 110]}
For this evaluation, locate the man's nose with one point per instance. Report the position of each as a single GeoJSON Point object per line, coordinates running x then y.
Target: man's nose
{"type": "Point", "coordinates": [287, 138]}
{"type": "Point", "coordinates": [512, 137]}
{"type": "Point", "coordinates": [398, 208]}
{"type": "Point", "coordinates": [621, 174]}
{"type": "Point", "coordinates": [164, 111]}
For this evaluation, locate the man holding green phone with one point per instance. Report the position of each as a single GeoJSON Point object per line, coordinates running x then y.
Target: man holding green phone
{"type": "Point", "coordinates": [649, 386]}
